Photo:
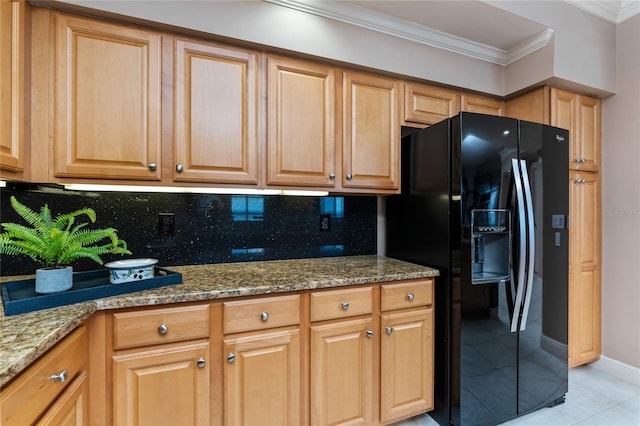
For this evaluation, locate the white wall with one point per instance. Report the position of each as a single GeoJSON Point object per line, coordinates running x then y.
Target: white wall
{"type": "Point", "coordinates": [621, 203]}
{"type": "Point", "coordinates": [583, 54]}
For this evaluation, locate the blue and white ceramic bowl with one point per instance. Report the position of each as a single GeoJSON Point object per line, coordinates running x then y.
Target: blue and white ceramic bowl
{"type": "Point", "coordinates": [124, 271]}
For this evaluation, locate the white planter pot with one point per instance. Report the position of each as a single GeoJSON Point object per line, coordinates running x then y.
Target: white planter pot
{"type": "Point", "coordinates": [54, 280]}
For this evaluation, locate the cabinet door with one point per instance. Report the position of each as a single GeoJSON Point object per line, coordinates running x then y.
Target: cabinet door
{"type": "Point", "coordinates": [588, 146]}
{"type": "Point", "coordinates": [71, 408]}
{"type": "Point", "coordinates": [262, 379]}
{"type": "Point", "coordinates": [371, 132]}
{"type": "Point", "coordinates": [107, 90]}
{"type": "Point", "coordinates": [481, 104]}
{"type": "Point", "coordinates": [428, 104]}
{"type": "Point", "coordinates": [342, 373]}
{"type": "Point", "coordinates": [300, 123]}
{"type": "Point", "coordinates": [406, 364]}
{"type": "Point", "coordinates": [583, 117]}
{"type": "Point", "coordinates": [12, 46]}
{"type": "Point", "coordinates": [168, 386]}
{"type": "Point", "coordinates": [584, 268]}
{"type": "Point", "coordinates": [215, 117]}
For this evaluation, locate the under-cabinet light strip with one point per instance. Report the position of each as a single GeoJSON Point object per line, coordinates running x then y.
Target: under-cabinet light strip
{"type": "Point", "coordinates": [192, 190]}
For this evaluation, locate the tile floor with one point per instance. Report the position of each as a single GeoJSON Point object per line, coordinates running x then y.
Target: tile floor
{"type": "Point", "coordinates": [595, 398]}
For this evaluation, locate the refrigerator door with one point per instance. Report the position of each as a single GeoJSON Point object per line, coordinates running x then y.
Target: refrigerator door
{"type": "Point", "coordinates": [542, 365]}
{"type": "Point", "coordinates": [488, 350]}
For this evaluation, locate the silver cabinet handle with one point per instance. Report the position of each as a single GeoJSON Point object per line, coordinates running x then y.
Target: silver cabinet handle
{"type": "Point", "coordinates": [410, 297]}
{"type": "Point", "coordinates": [369, 333]}
{"type": "Point", "coordinates": [580, 160]}
{"type": "Point", "coordinates": [179, 168]}
{"type": "Point", "coordinates": [231, 358]}
{"type": "Point", "coordinates": [349, 176]}
{"type": "Point", "coordinates": [332, 176]}
{"type": "Point", "coordinates": [389, 329]}
{"type": "Point", "coordinates": [153, 166]}
{"type": "Point", "coordinates": [163, 329]}
{"type": "Point", "coordinates": [60, 377]}
{"type": "Point", "coordinates": [580, 180]}
{"type": "Point", "coordinates": [201, 363]}
{"type": "Point", "coordinates": [264, 316]}
{"type": "Point", "coordinates": [345, 306]}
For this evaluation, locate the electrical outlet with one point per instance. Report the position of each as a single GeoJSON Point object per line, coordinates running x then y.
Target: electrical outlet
{"type": "Point", "coordinates": [166, 224]}
{"type": "Point", "coordinates": [325, 223]}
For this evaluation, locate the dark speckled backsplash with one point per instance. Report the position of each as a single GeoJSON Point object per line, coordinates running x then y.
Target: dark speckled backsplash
{"type": "Point", "coordinates": [209, 228]}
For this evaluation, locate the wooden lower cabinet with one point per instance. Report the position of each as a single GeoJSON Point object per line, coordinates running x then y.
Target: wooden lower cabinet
{"type": "Point", "coordinates": [262, 379]}
{"type": "Point", "coordinates": [585, 268]}
{"type": "Point", "coordinates": [35, 397]}
{"type": "Point", "coordinates": [406, 364]}
{"type": "Point", "coordinates": [167, 385]}
{"type": "Point", "coordinates": [71, 408]}
{"type": "Point", "coordinates": [355, 355]}
{"type": "Point", "coordinates": [342, 373]}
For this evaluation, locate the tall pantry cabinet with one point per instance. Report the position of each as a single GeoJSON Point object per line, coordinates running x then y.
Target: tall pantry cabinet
{"type": "Point", "coordinates": [582, 115]}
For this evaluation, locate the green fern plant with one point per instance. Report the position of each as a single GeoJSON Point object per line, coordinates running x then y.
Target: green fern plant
{"type": "Point", "coordinates": [59, 241]}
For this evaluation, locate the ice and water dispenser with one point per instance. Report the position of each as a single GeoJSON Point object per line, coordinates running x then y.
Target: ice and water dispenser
{"type": "Point", "coordinates": [490, 245]}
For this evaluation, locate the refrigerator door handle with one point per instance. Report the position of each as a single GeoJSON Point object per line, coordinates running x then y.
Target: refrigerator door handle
{"type": "Point", "coordinates": [517, 175]}
{"type": "Point", "coordinates": [531, 240]}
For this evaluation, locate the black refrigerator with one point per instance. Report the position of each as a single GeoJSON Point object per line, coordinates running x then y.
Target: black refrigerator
{"type": "Point", "coordinates": [485, 200]}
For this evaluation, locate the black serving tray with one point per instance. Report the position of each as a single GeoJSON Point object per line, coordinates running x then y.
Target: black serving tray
{"type": "Point", "coordinates": [19, 297]}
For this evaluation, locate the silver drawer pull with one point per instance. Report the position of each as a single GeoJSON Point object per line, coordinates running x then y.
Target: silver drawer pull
{"type": "Point", "coordinates": [264, 316]}
{"type": "Point", "coordinates": [163, 329]}
{"type": "Point", "coordinates": [410, 297]}
{"type": "Point", "coordinates": [60, 377]}
{"type": "Point", "coordinates": [231, 358]}
{"type": "Point", "coordinates": [388, 329]}
{"type": "Point", "coordinates": [345, 306]}
{"type": "Point", "coordinates": [369, 333]}
{"type": "Point", "coordinates": [201, 363]}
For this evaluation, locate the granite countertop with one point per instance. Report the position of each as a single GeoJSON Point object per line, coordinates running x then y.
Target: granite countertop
{"type": "Point", "coordinates": [27, 336]}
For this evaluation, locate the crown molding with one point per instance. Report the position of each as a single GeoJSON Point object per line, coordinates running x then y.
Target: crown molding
{"type": "Point", "coordinates": [613, 11]}
{"type": "Point", "coordinates": [374, 21]}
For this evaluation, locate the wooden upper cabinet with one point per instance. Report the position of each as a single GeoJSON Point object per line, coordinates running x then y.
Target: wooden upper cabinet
{"type": "Point", "coordinates": [371, 132]}
{"type": "Point", "coordinates": [300, 123]}
{"type": "Point", "coordinates": [581, 115]}
{"type": "Point", "coordinates": [588, 151]}
{"type": "Point", "coordinates": [12, 120]}
{"type": "Point", "coordinates": [426, 105]}
{"type": "Point", "coordinates": [215, 116]}
{"type": "Point", "coordinates": [481, 104]}
{"type": "Point", "coordinates": [107, 100]}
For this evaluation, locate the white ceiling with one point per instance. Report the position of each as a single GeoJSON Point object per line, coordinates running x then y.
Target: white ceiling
{"type": "Point", "coordinates": [466, 27]}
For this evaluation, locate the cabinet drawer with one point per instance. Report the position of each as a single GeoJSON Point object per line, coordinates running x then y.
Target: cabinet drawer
{"type": "Point", "coordinates": [406, 294]}
{"type": "Point", "coordinates": [157, 326]}
{"type": "Point", "coordinates": [261, 313]}
{"type": "Point", "coordinates": [341, 303]}
{"type": "Point", "coordinates": [26, 398]}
